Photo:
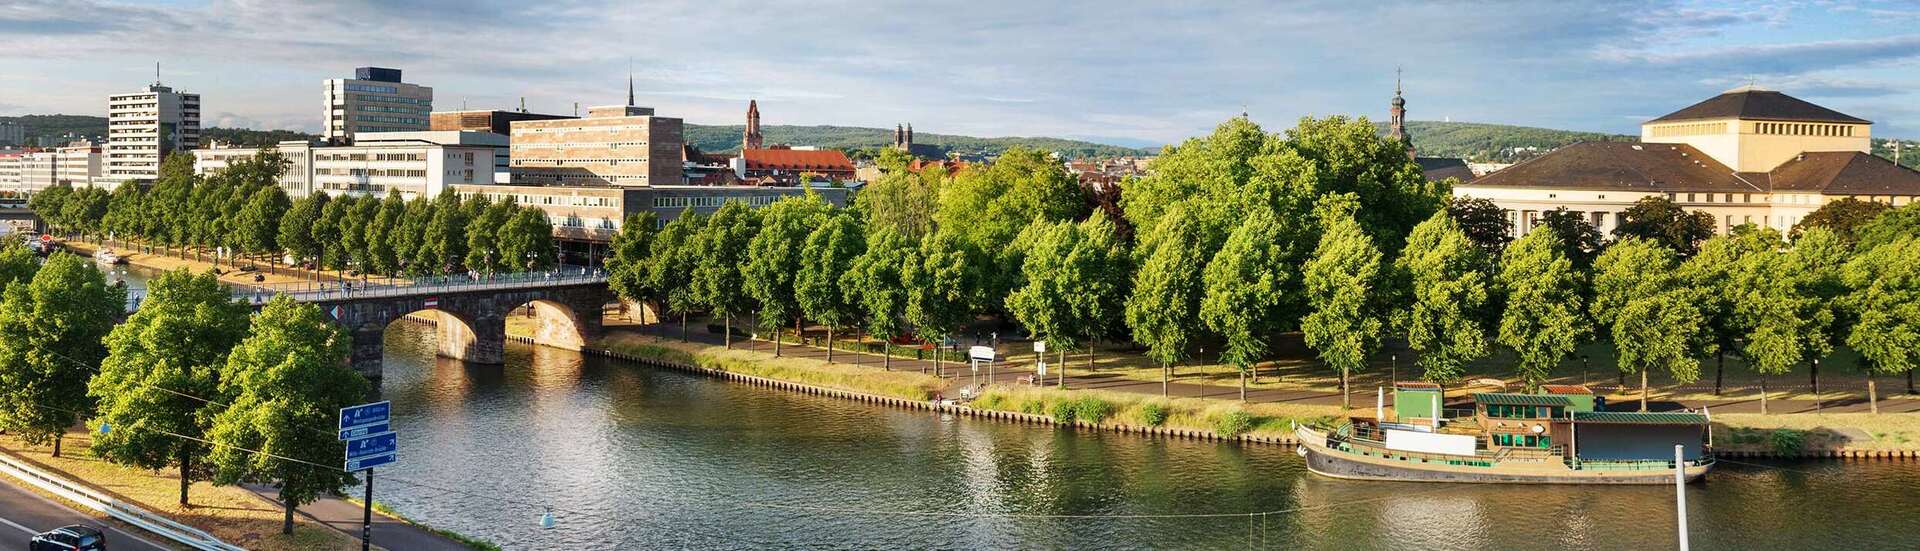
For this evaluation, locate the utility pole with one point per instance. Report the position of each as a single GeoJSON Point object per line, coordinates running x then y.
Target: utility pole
{"type": "Point", "coordinates": [1680, 490]}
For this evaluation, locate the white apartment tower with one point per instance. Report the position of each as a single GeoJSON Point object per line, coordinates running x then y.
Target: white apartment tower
{"type": "Point", "coordinates": [143, 127]}
{"type": "Point", "coordinates": [374, 101]}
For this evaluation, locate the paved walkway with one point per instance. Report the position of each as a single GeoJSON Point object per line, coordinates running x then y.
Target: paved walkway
{"type": "Point", "coordinates": [388, 532]}
{"type": "Point", "coordinates": [1011, 372]}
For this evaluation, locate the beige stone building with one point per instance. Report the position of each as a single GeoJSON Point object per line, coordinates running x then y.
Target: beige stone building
{"type": "Point", "coordinates": [1746, 156]}
{"type": "Point", "coordinates": [619, 145]}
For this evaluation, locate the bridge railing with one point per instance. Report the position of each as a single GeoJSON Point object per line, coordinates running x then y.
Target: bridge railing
{"type": "Point", "coordinates": [331, 290]}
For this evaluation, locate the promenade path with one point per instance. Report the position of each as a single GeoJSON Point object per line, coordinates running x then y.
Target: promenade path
{"type": "Point", "coordinates": [1845, 398]}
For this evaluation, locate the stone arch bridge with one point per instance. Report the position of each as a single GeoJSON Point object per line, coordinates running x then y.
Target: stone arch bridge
{"type": "Point", "coordinates": [471, 315]}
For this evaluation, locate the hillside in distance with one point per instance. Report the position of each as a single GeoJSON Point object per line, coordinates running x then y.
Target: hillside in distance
{"type": "Point", "coordinates": [724, 139]}
{"type": "Point", "coordinates": [50, 128]}
{"type": "Point", "coordinates": [1494, 143]}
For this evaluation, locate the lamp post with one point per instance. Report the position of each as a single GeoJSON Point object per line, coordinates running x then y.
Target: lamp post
{"type": "Point", "coordinates": [1584, 369]}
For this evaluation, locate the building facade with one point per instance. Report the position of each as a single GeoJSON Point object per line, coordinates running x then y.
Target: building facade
{"type": "Point", "coordinates": [12, 134]}
{"type": "Point", "coordinates": [613, 146]}
{"type": "Point", "coordinates": [1746, 156]}
{"type": "Point", "coordinates": [585, 218]}
{"type": "Point", "coordinates": [494, 121]}
{"type": "Point", "coordinates": [143, 127]}
{"type": "Point", "coordinates": [78, 164]}
{"type": "Point", "coordinates": [375, 100]}
{"type": "Point", "coordinates": [415, 164]}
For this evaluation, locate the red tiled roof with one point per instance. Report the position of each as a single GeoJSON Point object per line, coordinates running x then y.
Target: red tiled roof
{"type": "Point", "coordinates": [797, 160]}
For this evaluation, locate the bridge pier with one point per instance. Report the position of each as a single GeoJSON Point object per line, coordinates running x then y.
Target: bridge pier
{"type": "Point", "coordinates": [470, 318]}
{"type": "Point", "coordinates": [483, 342]}
{"type": "Point", "coordinates": [369, 350]}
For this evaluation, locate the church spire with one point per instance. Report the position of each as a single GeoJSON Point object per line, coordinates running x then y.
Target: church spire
{"type": "Point", "coordinates": [629, 89]}
{"type": "Point", "coordinates": [752, 138]}
{"type": "Point", "coordinates": [1397, 117]}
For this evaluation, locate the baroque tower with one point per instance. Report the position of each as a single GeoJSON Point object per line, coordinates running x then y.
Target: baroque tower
{"type": "Point", "coordinates": [1397, 117]}
{"type": "Point", "coordinates": [753, 139]}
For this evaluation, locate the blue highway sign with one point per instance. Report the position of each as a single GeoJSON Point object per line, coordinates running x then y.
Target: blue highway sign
{"type": "Point", "coordinates": [378, 444]}
{"type": "Point", "coordinates": [365, 430]}
{"type": "Point", "coordinates": [364, 414]}
{"type": "Point", "coordinates": [371, 462]}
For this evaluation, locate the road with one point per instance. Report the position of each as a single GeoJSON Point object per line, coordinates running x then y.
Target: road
{"type": "Point", "coordinates": [24, 513]}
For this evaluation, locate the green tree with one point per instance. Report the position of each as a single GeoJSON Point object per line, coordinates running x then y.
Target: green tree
{"type": "Point", "coordinates": [483, 236]}
{"type": "Point", "coordinates": [900, 199]}
{"type": "Point", "coordinates": [527, 239]}
{"type": "Point", "coordinates": [259, 223]}
{"type": "Point", "coordinates": [382, 231]}
{"type": "Point", "coordinates": [1042, 303]}
{"type": "Point", "coordinates": [443, 242]}
{"type": "Point", "coordinates": [989, 207]}
{"type": "Point", "coordinates": [1544, 318]}
{"type": "Point", "coordinates": [1164, 310]}
{"type": "Point", "coordinates": [719, 282]}
{"type": "Point", "coordinates": [1343, 281]}
{"type": "Point", "coordinates": [773, 259]}
{"type": "Point", "coordinates": [1245, 282]}
{"type": "Point", "coordinates": [1711, 274]}
{"type": "Point", "coordinates": [1884, 284]}
{"type": "Point", "coordinates": [1844, 217]}
{"type": "Point", "coordinates": [829, 252]}
{"type": "Point", "coordinates": [50, 344]}
{"type": "Point", "coordinates": [1886, 228]}
{"type": "Point", "coordinates": [632, 248]}
{"type": "Point", "coordinates": [1817, 260]}
{"type": "Point", "coordinates": [1484, 222]}
{"type": "Point", "coordinates": [671, 261]}
{"type": "Point", "coordinates": [160, 365]}
{"type": "Point", "coordinates": [409, 236]}
{"type": "Point", "coordinates": [1642, 299]}
{"type": "Point", "coordinates": [876, 283]}
{"type": "Point", "coordinates": [1657, 218]}
{"type": "Point", "coordinates": [1580, 242]}
{"type": "Point", "coordinates": [51, 204]}
{"type": "Point", "coordinates": [1782, 325]}
{"type": "Point", "coordinates": [326, 234]}
{"type": "Point", "coordinates": [287, 382]}
{"type": "Point", "coordinates": [17, 264]}
{"type": "Point", "coordinates": [1447, 276]}
{"type": "Point", "coordinates": [296, 227]}
{"type": "Point", "coordinates": [354, 230]}
{"type": "Point", "coordinates": [941, 287]}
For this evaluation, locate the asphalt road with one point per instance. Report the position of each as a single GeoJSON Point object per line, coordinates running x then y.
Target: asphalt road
{"type": "Point", "coordinates": [24, 513]}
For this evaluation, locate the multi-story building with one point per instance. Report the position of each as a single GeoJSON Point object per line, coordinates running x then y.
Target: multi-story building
{"type": "Point", "coordinates": [1746, 156]}
{"type": "Point", "coordinates": [585, 218]}
{"type": "Point", "coordinates": [10, 172]}
{"type": "Point", "coordinates": [374, 101]}
{"type": "Point", "coordinates": [12, 134]}
{"type": "Point", "coordinates": [613, 146]}
{"type": "Point", "coordinates": [415, 164]}
{"type": "Point", "coordinates": [499, 143]}
{"type": "Point", "coordinates": [495, 121]}
{"type": "Point", "coordinates": [143, 127]}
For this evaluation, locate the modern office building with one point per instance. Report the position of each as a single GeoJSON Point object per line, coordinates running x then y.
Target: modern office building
{"type": "Point", "coordinates": [495, 121]}
{"type": "Point", "coordinates": [78, 164]}
{"type": "Point", "coordinates": [375, 100]}
{"type": "Point", "coordinates": [10, 172]}
{"type": "Point", "coordinates": [479, 138]}
{"type": "Point", "coordinates": [143, 127]}
{"type": "Point", "coordinates": [620, 145]}
{"type": "Point", "coordinates": [1746, 156]}
{"type": "Point", "coordinates": [297, 181]}
{"type": "Point", "coordinates": [415, 164]}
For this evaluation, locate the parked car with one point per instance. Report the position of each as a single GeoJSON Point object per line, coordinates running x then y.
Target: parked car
{"type": "Point", "coordinates": [70, 538]}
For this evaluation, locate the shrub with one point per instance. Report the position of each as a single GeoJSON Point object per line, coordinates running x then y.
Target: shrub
{"type": "Point", "coordinates": [1063, 411]}
{"type": "Point", "coordinates": [1091, 409]}
{"type": "Point", "coordinates": [1153, 414]}
{"type": "Point", "coordinates": [1033, 406]}
{"type": "Point", "coordinates": [1788, 441]}
{"type": "Point", "coordinates": [1233, 423]}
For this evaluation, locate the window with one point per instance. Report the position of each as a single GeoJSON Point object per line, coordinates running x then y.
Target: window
{"type": "Point", "coordinates": [1689, 198]}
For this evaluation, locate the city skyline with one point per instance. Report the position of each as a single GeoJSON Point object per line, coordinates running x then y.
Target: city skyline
{"type": "Point", "coordinates": [1003, 70]}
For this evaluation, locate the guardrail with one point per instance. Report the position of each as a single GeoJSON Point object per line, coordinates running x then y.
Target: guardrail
{"type": "Point", "coordinates": [87, 497]}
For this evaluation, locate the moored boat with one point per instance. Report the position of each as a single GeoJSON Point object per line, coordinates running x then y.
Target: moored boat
{"type": "Point", "coordinates": [1560, 436]}
{"type": "Point", "coordinates": [107, 256]}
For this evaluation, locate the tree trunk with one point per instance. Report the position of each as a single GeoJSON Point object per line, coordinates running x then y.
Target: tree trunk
{"type": "Point", "coordinates": [1643, 389]}
{"type": "Point", "coordinates": [1346, 398]}
{"type": "Point", "coordinates": [1062, 376]}
{"type": "Point", "coordinates": [829, 343]}
{"type": "Point", "coordinates": [1814, 371]}
{"type": "Point", "coordinates": [1763, 394]}
{"type": "Point", "coordinates": [683, 327]}
{"type": "Point", "coordinates": [1243, 386]}
{"type": "Point", "coordinates": [726, 331]}
{"type": "Point", "coordinates": [186, 476]}
{"type": "Point", "coordinates": [1873, 396]}
{"type": "Point", "coordinates": [776, 340]}
{"type": "Point", "coordinates": [1719, 372]}
{"type": "Point", "coordinates": [1166, 378]}
{"type": "Point", "coordinates": [1910, 381]}
{"type": "Point", "coordinates": [56, 444]}
{"type": "Point", "coordinates": [886, 355]}
{"type": "Point", "coordinates": [286, 521]}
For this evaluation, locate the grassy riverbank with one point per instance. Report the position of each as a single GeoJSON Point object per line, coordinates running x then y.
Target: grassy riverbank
{"type": "Point", "coordinates": [233, 514]}
{"type": "Point", "coordinates": [1124, 409]}
{"type": "Point", "coordinates": [898, 384]}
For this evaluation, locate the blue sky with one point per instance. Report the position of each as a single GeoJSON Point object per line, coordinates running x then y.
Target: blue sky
{"type": "Point", "coordinates": [1129, 72]}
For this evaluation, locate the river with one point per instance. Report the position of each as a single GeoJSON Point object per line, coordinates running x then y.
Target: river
{"type": "Point", "coordinates": [631, 457]}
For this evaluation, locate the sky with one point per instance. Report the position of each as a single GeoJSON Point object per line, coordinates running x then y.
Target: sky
{"type": "Point", "coordinates": [1117, 71]}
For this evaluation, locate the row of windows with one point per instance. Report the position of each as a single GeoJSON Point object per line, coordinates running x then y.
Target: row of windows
{"type": "Point", "coordinates": [392, 99]}
{"type": "Point", "coordinates": [371, 172]}
{"type": "Point", "coordinates": [370, 128]}
{"type": "Point", "coordinates": [1520, 412]}
{"type": "Point", "coordinates": [387, 118]}
{"type": "Point", "coordinates": [570, 145]}
{"type": "Point", "coordinates": [365, 156]}
{"type": "Point", "coordinates": [372, 88]}
{"type": "Point", "coordinates": [1526, 441]}
{"type": "Point", "coordinates": [1803, 129]}
{"type": "Point", "coordinates": [566, 129]}
{"type": "Point", "coordinates": [386, 109]}
{"type": "Point", "coordinates": [712, 201]}
{"type": "Point", "coordinates": [574, 221]}
{"type": "Point", "coordinates": [566, 162]}
{"type": "Point", "coordinates": [1690, 129]}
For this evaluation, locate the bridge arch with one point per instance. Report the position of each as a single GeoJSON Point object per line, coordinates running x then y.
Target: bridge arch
{"type": "Point", "coordinates": [471, 319]}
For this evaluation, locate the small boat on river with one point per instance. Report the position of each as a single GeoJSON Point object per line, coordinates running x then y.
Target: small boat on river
{"type": "Point", "coordinates": [107, 256]}
{"type": "Point", "coordinates": [1561, 435]}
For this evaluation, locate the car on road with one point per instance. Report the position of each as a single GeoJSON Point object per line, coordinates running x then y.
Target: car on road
{"type": "Point", "coordinates": [77, 537]}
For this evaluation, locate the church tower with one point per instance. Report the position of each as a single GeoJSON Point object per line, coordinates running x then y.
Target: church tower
{"type": "Point", "coordinates": [903, 137]}
{"type": "Point", "coordinates": [1397, 117]}
{"type": "Point", "coordinates": [753, 139]}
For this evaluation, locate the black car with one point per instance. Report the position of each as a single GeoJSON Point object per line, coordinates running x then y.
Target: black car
{"type": "Point", "coordinates": [70, 538]}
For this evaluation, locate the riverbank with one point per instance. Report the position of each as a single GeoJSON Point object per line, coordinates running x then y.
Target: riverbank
{"type": "Point", "coordinates": [231, 513]}
{"type": "Point", "coordinates": [1218, 416]}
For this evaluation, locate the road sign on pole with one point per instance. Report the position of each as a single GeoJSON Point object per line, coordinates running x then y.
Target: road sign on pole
{"type": "Point", "coordinates": [365, 414]}
{"type": "Point", "coordinates": [385, 443]}
{"type": "Point", "coordinates": [371, 442]}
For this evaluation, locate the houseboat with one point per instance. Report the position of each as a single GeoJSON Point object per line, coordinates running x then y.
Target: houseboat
{"type": "Point", "coordinates": [1561, 435]}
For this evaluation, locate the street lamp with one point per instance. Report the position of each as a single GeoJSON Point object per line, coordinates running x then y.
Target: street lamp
{"type": "Point", "coordinates": [1583, 369]}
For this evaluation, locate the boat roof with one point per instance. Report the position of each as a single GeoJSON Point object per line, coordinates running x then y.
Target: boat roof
{"type": "Point", "coordinates": [1516, 399]}
{"type": "Point", "coordinates": [1566, 389]}
{"type": "Point", "coordinates": [1415, 385]}
{"type": "Point", "coordinates": [1640, 418]}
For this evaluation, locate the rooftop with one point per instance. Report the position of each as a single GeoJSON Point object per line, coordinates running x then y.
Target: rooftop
{"type": "Point", "coordinates": [1621, 166]}
{"type": "Point", "coordinates": [1754, 103]}
{"type": "Point", "coordinates": [796, 159]}
{"type": "Point", "coordinates": [1514, 399]}
{"type": "Point", "coordinates": [1640, 418]}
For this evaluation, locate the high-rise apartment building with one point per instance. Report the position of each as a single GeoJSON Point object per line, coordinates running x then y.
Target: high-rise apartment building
{"type": "Point", "coordinates": [374, 101]}
{"type": "Point", "coordinates": [143, 127]}
{"type": "Point", "coordinates": [12, 133]}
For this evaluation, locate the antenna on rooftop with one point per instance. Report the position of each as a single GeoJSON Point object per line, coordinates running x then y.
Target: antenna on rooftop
{"type": "Point", "coordinates": [156, 73]}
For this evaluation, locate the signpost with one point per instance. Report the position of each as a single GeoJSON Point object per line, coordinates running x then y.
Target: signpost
{"type": "Point", "coordinates": [976, 355]}
{"type": "Point", "coordinates": [1040, 357]}
{"type": "Point", "coordinates": [371, 442]}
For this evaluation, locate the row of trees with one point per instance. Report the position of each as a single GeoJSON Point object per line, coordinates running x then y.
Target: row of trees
{"type": "Point", "coordinates": [190, 381]}
{"type": "Point", "coordinates": [242, 209]}
{"type": "Point", "coordinates": [1242, 235]}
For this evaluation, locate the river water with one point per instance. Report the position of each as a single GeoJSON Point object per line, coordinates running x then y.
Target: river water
{"type": "Point", "coordinates": [630, 457]}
